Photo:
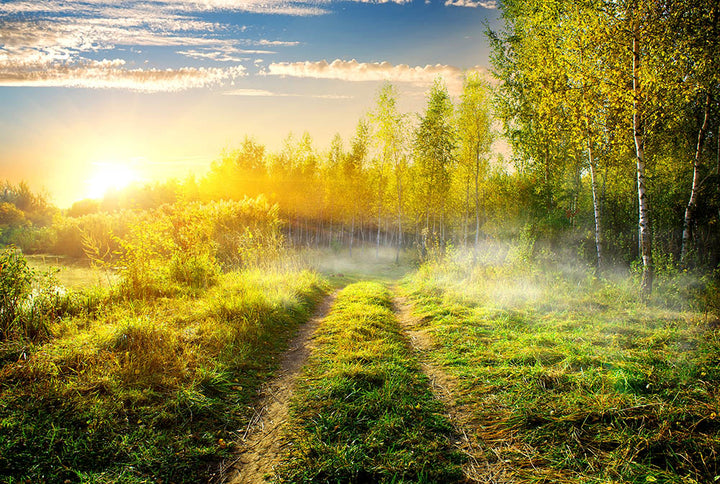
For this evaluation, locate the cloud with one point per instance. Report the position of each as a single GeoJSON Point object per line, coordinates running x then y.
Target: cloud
{"type": "Point", "coordinates": [163, 7]}
{"type": "Point", "coordinates": [213, 55]}
{"type": "Point", "coordinates": [399, 2]}
{"type": "Point", "coordinates": [355, 71]}
{"type": "Point", "coordinates": [265, 93]}
{"type": "Point", "coordinates": [490, 4]}
{"type": "Point", "coordinates": [223, 53]}
{"type": "Point", "coordinates": [111, 74]}
{"type": "Point", "coordinates": [276, 43]}
{"type": "Point", "coordinates": [251, 93]}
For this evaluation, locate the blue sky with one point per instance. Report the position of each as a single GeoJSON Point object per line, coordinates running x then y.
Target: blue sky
{"type": "Point", "coordinates": [164, 86]}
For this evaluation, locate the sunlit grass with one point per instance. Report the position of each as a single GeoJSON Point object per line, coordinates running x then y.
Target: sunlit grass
{"type": "Point", "coordinates": [572, 379]}
{"type": "Point", "coordinates": [364, 411]}
{"type": "Point", "coordinates": [70, 273]}
{"type": "Point", "coordinates": [149, 389]}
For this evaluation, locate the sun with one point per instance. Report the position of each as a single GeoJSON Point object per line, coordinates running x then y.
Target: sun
{"type": "Point", "coordinates": [109, 176]}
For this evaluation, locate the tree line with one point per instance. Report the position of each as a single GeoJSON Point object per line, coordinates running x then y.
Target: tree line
{"type": "Point", "coordinates": [402, 180]}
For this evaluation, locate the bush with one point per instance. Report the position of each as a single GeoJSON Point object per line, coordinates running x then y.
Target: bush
{"type": "Point", "coordinates": [185, 244]}
{"type": "Point", "coordinates": [16, 280]}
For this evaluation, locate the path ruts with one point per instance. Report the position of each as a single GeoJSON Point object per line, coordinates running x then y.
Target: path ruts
{"type": "Point", "coordinates": [445, 387]}
{"type": "Point", "coordinates": [261, 445]}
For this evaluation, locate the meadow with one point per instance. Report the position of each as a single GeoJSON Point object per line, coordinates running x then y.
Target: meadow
{"type": "Point", "coordinates": [554, 374]}
{"type": "Point", "coordinates": [148, 373]}
{"type": "Point", "coordinates": [568, 378]}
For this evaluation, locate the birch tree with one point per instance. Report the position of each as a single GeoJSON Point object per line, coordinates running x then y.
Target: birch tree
{"type": "Point", "coordinates": [474, 139]}
{"type": "Point", "coordinates": [390, 141]}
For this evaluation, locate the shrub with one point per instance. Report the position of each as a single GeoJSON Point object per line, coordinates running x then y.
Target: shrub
{"type": "Point", "coordinates": [15, 286]}
{"type": "Point", "coordinates": [29, 301]}
{"type": "Point", "coordinates": [186, 243]}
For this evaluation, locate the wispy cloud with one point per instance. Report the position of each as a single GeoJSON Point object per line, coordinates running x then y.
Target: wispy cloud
{"type": "Point", "coordinates": [355, 71]}
{"type": "Point", "coordinates": [277, 43]}
{"type": "Point", "coordinates": [265, 93]}
{"type": "Point", "coordinates": [111, 74]}
{"type": "Point", "coordinates": [491, 4]}
{"type": "Point", "coordinates": [252, 93]}
{"type": "Point", "coordinates": [46, 42]}
{"type": "Point", "coordinates": [400, 2]}
{"type": "Point", "coordinates": [279, 7]}
{"type": "Point", "coordinates": [223, 54]}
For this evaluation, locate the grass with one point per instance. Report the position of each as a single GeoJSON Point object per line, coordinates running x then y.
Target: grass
{"type": "Point", "coordinates": [152, 390]}
{"type": "Point", "coordinates": [72, 274]}
{"type": "Point", "coordinates": [575, 380]}
{"type": "Point", "coordinates": [364, 411]}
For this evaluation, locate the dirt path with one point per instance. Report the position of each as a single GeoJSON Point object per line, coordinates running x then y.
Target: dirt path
{"type": "Point", "coordinates": [261, 444]}
{"type": "Point", "coordinates": [445, 387]}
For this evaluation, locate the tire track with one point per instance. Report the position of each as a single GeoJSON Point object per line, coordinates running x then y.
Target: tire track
{"type": "Point", "coordinates": [262, 443]}
{"type": "Point", "coordinates": [445, 387]}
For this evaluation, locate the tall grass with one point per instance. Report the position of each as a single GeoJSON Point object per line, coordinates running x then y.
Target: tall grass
{"type": "Point", "coordinates": [147, 389]}
{"type": "Point", "coordinates": [188, 245]}
{"type": "Point", "coordinates": [31, 302]}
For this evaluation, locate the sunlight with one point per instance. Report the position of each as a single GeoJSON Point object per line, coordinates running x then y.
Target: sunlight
{"type": "Point", "coordinates": [109, 176]}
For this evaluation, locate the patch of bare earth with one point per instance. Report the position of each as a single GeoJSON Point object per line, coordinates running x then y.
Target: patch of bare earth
{"type": "Point", "coordinates": [446, 389]}
{"type": "Point", "coordinates": [261, 445]}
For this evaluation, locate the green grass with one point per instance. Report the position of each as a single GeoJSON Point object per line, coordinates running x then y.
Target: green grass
{"type": "Point", "coordinates": [152, 390]}
{"type": "Point", "coordinates": [364, 411]}
{"type": "Point", "coordinates": [575, 380]}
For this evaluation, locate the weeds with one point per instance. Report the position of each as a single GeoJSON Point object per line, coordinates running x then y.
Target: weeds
{"type": "Point", "coordinates": [31, 302]}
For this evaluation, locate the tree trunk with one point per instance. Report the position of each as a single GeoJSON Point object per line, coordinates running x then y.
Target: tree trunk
{"type": "Point", "coordinates": [398, 182]}
{"type": "Point", "coordinates": [596, 208]}
{"type": "Point", "coordinates": [352, 234]}
{"type": "Point", "coordinates": [643, 205]}
{"type": "Point", "coordinates": [692, 203]}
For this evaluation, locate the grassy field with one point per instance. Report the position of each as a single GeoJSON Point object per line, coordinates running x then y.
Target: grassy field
{"type": "Point", "coordinates": [563, 378]}
{"type": "Point", "coordinates": [146, 390]}
{"type": "Point", "coordinates": [72, 274]}
{"type": "Point", "coordinates": [575, 380]}
{"type": "Point", "coordinates": [364, 411]}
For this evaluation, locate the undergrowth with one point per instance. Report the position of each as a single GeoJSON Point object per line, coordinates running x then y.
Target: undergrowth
{"type": "Point", "coordinates": [574, 379]}
{"type": "Point", "coordinates": [146, 390]}
{"type": "Point", "coordinates": [364, 411]}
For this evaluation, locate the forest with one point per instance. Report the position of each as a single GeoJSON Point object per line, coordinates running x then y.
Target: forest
{"type": "Point", "coordinates": [565, 292]}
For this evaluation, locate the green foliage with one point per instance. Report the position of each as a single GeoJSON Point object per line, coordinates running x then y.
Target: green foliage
{"type": "Point", "coordinates": [572, 378]}
{"type": "Point", "coordinates": [185, 245]}
{"type": "Point", "coordinates": [16, 280]}
{"type": "Point", "coordinates": [147, 390]}
{"type": "Point", "coordinates": [520, 253]}
{"type": "Point", "coordinates": [31, 302]}
{"type": "Point", "coordinates": [364, 412]}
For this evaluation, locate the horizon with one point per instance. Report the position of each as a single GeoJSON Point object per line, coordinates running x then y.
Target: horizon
{"type": "Point", "coordinates": [159, 89]}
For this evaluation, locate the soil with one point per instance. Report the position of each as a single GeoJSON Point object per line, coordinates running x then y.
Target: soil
{"type": "Point", "coordinates": [262, 444]}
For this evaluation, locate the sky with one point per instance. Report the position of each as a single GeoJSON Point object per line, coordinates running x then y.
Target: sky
{"type": "Point", "coordinates": [99, 93]}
